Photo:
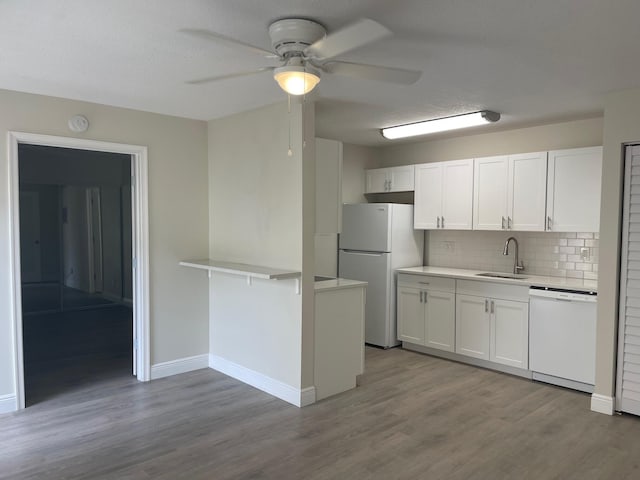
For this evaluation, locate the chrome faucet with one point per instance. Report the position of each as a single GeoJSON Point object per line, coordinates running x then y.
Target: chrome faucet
{"type": "Point", "coordinates": [517, 266]}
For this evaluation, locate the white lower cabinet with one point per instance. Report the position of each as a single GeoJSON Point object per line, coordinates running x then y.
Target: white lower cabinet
{"type": "Point", "coordinates": [473, 326]}
{"type": "Point", "coordinates": [426, 311]}
{"type": "Point", "coordinates": [509, 333]}
{"type": "Point", "coordinates": [492, 328]}
{"type": "Point", "coordinates": [484, 320]}
{"type": "Point", "coordinates": [410, 315]}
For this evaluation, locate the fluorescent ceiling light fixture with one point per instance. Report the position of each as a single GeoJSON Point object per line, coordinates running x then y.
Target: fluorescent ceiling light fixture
{"type": "Point", "coordinates": [441, 124]}
{"type": "Point", "coordinates": [295, 78]}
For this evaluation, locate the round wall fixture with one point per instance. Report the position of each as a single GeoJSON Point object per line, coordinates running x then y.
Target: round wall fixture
{"type": "Point", "coordinates": [78, 124]}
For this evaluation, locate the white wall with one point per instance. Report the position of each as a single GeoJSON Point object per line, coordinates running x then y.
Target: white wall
{"type": "Point", "coordinates": [256, 206]}
{"type": "Point", "coordinates": [355, 160]}
{"type": "Point", "coordinates": [178, 216]}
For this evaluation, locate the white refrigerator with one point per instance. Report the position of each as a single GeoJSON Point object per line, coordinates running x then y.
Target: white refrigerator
{"type": "Point", "coordinates": [376, 239]}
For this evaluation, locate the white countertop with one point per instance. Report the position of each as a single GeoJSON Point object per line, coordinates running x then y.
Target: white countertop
{"type": "Point", "coordinates": [338, 283]}
{"type": "Point", "coordinates": [525, 279]}
{"type": "Point", "coordinates": [255, 271]}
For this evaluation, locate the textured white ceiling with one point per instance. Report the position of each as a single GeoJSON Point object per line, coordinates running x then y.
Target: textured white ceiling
{"type": "Point", "coordinates": [533, 61]}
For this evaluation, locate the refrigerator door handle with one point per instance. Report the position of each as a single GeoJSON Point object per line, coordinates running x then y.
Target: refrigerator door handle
{"type": "Point", "coordinates": [370, 254]}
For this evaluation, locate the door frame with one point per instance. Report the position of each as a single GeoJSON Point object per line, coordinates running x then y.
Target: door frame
{"type": "Point", "coordinates": [140, 244]}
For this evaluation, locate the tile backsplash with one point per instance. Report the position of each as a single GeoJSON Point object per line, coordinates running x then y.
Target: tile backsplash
{"type": "Point", "coordinates": [543, 253]}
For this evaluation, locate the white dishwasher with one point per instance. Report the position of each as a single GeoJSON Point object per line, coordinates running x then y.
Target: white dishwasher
{"type": "Point", "coordinates": [562, 337]}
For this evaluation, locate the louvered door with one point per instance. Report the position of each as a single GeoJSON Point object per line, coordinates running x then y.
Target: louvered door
{"type": "Point", "coordinates": [628, 384]}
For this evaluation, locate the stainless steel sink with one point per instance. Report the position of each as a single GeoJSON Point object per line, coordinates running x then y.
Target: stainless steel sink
{"type": "Point", "coordinates": [502, 275]}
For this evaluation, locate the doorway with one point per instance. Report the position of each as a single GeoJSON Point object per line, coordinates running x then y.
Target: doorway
{"type": "Point", "coordinates": [80, 260]}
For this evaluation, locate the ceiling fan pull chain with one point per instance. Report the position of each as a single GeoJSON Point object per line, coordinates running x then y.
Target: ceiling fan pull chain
{"type": "Point", "coordinates": [289, 152]}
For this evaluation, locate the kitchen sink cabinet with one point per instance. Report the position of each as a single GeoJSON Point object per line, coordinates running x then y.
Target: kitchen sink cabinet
{"type": "Point", "coordinates": [443, 195]}
{"type": "Point", "coordinates": [492, 328]}
{"type": "Point", "coordinates": [573, 190]}
{"type": "Point", "coordinates": [473, 326]}
{"type": "Point", "coordinates": [391, 179]}
{"type": "Point", "coordinates": [426, 311]}
{"type": "Point", "coordinates": [510, 192]}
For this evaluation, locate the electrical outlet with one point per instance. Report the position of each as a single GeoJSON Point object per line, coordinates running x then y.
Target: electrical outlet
{"type": "Point", "coordinates": [584, 253]}
{"type": "Point", "coordinates": [450, 247]}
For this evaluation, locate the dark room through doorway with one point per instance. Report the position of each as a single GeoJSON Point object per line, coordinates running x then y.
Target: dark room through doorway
{"type": "Point", "coordinates": [76, 269]}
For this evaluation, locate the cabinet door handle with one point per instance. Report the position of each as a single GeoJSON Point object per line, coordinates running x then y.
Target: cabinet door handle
{"type": "Point", "coordinates": [420, 297]}
{"type": "Point", "coordinates": [492, 306]}
{"type": "Point", "coordinates": [548, 223]}
{"type": "Point", "coordinates": [425, 297]}
{"type": "Point", "coordinates": [442, 222]}
{"type": "Point", "coordinates": [423, 283]}
{"type": "Point", "coordinates": [486, 306]}
{"type": "Point", "coordinates": [509, 226]}
{"type": "Point", "coordinates": [438, 222]}
{"type": "Point", "coordinates": [503, 223]}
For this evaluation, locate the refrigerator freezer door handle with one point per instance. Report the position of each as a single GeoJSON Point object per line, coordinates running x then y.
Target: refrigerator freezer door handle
{"type": "Point", "coordinates": [370, 254]}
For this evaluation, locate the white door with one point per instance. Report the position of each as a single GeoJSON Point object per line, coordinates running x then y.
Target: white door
{"type": "Point", "coordinates": [628, 376]}
{"type": "Point", "coordinates": [509, 333]}
{"type": "Point", "coordinates": [428, 196]}
{"type": "Point", "coordinates": [376, 180]}
{"type": "Point", "coordinates": [440, 321]}
{"type": "Point", "coordinates": [373, 268]}
{"type": "Point", "coordinates": [410, 315]}
{"type": "Point", "coordinates": [573, 190]}
{"type": "Point", "coordinates": [457, 195]}
{"type": "Point", "coordinates": [401, 179]}
{"type": "Point", "coordinates": [473, 326]}
{"type": "Point", "coordinates": [527, 191]}
{"type": "Point", "coordinates": [490, 191]}
{"type": "Point", "coordinates": [30, 254]}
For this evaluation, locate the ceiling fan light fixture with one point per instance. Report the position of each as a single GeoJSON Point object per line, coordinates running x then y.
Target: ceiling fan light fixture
{"type": "Point", "coordinates": [441, 124]}
{"type": "Point", "coordinates": [296, 80]}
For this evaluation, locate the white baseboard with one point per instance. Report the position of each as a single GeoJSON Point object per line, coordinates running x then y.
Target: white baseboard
{"type": "Point", "coordinates": [8, 403]}
{"type": "Point", "coordinates": [295, 396]}
{"type": "Point", "coordinates": [181, 365]}
{"type": "Point", "coordinates": [602, 404]}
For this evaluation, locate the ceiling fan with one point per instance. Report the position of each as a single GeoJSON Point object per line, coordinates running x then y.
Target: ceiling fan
{"type": "Point", "coordinates": [304, 51]}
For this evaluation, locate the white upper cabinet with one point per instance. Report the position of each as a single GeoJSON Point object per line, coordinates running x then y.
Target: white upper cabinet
{"type": "Point", "coordinates": [573, 190]}
{"type": "Point", "coordinates": [444, 195]}
{"type": "Point", "coordinates": [510, 192]}
{"type": "Point", "coordinates": [428, 196]}
{"type": "Point", "coordinates": [376, 180]}
{"type": "Point", "coordinates": [392, 179]}
{"type": "Point", "coordinates": [527, 191]}
{"type": "Point", "coordinates": [490, 186]}
{"type": "Point", "coordinates": [328, 186]}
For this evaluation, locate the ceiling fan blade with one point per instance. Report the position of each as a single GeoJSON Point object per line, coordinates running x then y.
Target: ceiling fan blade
{"type": "Point", "coordinates": [373, 72]}
{"type": "Point", "coordinates": [231, 42]}
{"type": "Point", "coordinates": [348, 38]}
{"type": "Point", "coordinates": [215, 78]}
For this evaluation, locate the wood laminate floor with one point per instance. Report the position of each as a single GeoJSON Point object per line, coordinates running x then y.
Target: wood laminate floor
{"type": "Point", "coordinates": [412, 417]}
